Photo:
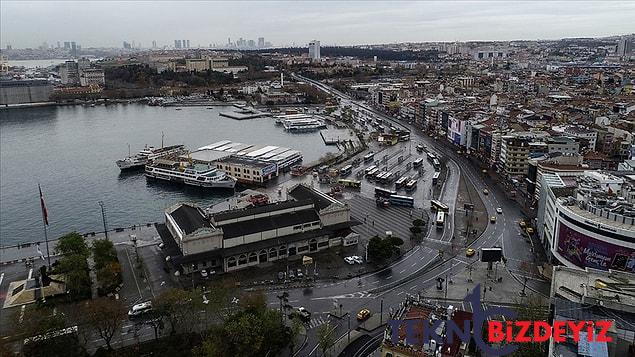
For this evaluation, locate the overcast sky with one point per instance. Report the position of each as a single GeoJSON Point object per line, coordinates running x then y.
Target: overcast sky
{"type": "Point", "coordinates": [108, 23]}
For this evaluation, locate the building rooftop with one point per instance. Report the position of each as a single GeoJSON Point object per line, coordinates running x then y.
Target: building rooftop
{"type": "Point", "coordinates": [189, 218]}
{"type": "Point", "coordinates": [302, 192]}
{"type": "Point", "coordinates": [268, 223]}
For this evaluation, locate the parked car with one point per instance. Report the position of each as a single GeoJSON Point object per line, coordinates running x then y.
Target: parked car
{"type": "Point", "coordinates": [291, 275]}
{"type": "Point", "coordinates": [349, 260]}
{"type": "Point", "coordinates": [299, 274]}
{"type": "Point", "coordinates": [363, 314]}
{"type": "Point", "coordinates": [485, 191]}
{"type": "Point", "coordinates": [357, 259]}
{"type": "Point", "coordinates": [280, 275]}
{"type": "Point", "coordinates": [140, 309]}
{"type": "Point", "coordinates": [204, 274]}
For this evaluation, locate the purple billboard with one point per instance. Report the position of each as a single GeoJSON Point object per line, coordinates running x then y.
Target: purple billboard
{"type": "Point", "coordinates": [584, 251]}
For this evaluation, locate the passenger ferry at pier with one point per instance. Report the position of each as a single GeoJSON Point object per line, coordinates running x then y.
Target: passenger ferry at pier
{"type": "Point", "coordinates": [146, 156]}
{"type": "Point", "coordinates": [201, 175]}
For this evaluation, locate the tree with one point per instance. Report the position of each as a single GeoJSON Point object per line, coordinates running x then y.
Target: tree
{"type": "Point", "coordinates": [380, 250]}
{"type": "Point", "coordinates": [103, 252]}
{"type": "Point", "coordinates": [72, 243]}
{"type": "Point", "coordinates": [105, 316]}
{"type": "Point", "coordinates": [325, 337]}
{"type": "Point", "coordinates": [37, 321]}
{"type": "Point", "coordinates": [418, 222]}
{"type": "Point", "coordinates": [75, 270]}
{"type": "Point", "coordinates": [179, 308]}
{"type": "Point", "coordinates": [294, 331]}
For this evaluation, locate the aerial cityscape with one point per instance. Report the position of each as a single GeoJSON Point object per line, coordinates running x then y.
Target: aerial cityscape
{"type": "Point", "coordinates": [385, 179]}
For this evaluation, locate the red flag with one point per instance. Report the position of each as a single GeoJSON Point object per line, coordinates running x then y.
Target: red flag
{"type": "Point", "coordinates": [45, 213]}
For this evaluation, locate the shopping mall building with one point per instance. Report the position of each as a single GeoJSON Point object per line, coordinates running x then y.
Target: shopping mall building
{"type": "Point", "coordinates": [588, 220]}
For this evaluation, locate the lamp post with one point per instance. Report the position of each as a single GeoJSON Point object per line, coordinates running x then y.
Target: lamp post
{"type": "Point", "coordinates": [103, 218]}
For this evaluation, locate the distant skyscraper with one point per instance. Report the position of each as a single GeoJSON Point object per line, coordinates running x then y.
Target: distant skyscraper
{"type": "Point", "coordinates": [188, 44]}
{"type": "Point", "coordinates": [261, 42]}
{"type": "Point", "coordinates": [621, 47]}
{"type": "Point", "coordinates": [251, 43]}
{"type": "Point", "coordinates": [177, 44]}
{"type": "Point", "coordinates": [58, 44]}
{"type": "Point", "coordinates": [73, 49]}
{"type": "Point", "coordinates": [154, 44]}
{"type": "Point", "coordinates": [67, 45]}
{"type": "Point", "coordinates": [126, 45]}
{"type": "Point", "coordinates": [183, 44]}
{"type": "Point", "coordinates": [314, 50]}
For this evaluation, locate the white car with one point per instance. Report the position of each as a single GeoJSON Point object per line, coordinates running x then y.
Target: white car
{"type": "Point", "coordinates": [140, 309]}
{"type": "Point", "coordinates": [204, 273]}
{"type": "Point", "coordinates": [499, 210]}
{"type": "Point", "coordinates": [349, 260]}
{"type": "Point", "coordinates": [357, 259]}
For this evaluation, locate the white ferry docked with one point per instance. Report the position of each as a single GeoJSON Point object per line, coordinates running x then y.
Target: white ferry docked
{"type": "Point", "coordinates": [146, 156]}
{"type": "Point", "coordinates": [201, 175]}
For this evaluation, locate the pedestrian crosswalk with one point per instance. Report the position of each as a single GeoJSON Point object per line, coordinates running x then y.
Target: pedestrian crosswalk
{"type": "Point", "coordinates": [317, 321]}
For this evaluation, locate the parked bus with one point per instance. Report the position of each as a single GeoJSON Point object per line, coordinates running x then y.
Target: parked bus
{"type": "Point", "coordinates": [381, 192]}
{"type": "Point", "coordinates": [431, 157]}
{"type": "Point", "coordinates": [440, 219]}
{"type": "Point", "coordinates": [419, 148]}
{"type": "Point", "coordinates": [371, 174]}
{"type": "Point", "coordinates": [435, 178]}
{"type": "Point", "coordinates": [350, 183]}
{"type": "Point", "coordinates": [436, 164]}
{"type": "Point", "coordinates": [411, 185]}
{"type": "Point", "coordinates": [401, 182]}
{"type": "Point", "coordinates": [438, 206]}
{"type": "Point", "coordinates": [388, 177]}
{"type": "Point", "coordinates": [405, 201]}
{"type": "Point", "coordinates": [418, 162]}
{"type": "Point", "coordinates": [369, 169]}
{"type": "Point", "coordinates": [369, 157]}
{"type": "Point", "coordinates": [346, 170]}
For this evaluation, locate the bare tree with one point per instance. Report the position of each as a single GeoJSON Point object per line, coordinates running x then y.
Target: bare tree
{"type": "Point", "coordinates": [325, 337]}
{"type": "Point", "coordinates": [105, 316]}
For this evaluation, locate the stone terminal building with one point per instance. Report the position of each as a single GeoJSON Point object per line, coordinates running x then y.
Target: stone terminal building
{"type": "Point", "coordinates": [308, 221]}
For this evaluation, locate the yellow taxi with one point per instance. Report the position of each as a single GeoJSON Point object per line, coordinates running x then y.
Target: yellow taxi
{"type": "Point", "coordinates": [492, 219]}
{"type": "Point", "coordinates": [470, 252]}
{"type": "Point", "coordinates": [363, 314]}
{"type": "Point", "coordinates": [522, 224]}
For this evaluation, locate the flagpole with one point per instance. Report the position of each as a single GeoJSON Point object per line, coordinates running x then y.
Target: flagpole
{"type": "Point", "coordinates": [46, 239]}
{"type": "Point", "coordinates": [45, 222]}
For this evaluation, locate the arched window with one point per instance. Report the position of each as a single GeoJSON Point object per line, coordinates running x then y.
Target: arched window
{"type": "Point", "coordinates": [242, 259]}
{"type": "Point", "coordinates": [231, 262]}
{"type": "Point", "coordinates": [282, 250]}
{"type": "Point", "coordinates": [273, 253]}
{"type": "Point", "coordinates": [262, 256]}
{"type": "Point", "coordinates": [253, 257]}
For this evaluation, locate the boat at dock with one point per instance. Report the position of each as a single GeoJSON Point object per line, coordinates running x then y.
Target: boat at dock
{"type": "Point", "coordinates": [146, 156]}
{"type": "Point", "coordinates": [193, 174]}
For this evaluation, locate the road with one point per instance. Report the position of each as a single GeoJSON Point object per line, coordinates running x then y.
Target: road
{"type": "Point", "coordinates": [389, 286]}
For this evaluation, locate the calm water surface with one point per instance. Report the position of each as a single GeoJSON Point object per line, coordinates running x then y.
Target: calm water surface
{"type": "Point", "coordinates": [71, 152]}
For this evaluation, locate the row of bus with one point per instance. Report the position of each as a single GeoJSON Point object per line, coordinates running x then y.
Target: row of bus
{"type": "Point", "coordinates": [435, 161]}
{"type": "Point", "coordinates": [406, 182]}
{"type": "Point", "coordinates": [384, 196]}
{"type": "Point", "coordinates": [442, 210]}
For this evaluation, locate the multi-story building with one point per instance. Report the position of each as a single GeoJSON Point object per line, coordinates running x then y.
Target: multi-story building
{"type": "Point", "coordinates": [309, 221]}
{"type": "Point", "coordinates": [92, 76]}
{"type": "Point", "coordinates": [261, 42]}
{"type": "Point", "coordinates": [593, 295]}
{"type": "Point", "coordinates": [314, 50]}
{"type": "Point", "coordinates": [197, 64]}
{"type": "Point", "coordinates": [588, 220]}
{"type": "Point", "coordinates": [513, 155]}
{"type": "Point", "coordinates": [69, 73]}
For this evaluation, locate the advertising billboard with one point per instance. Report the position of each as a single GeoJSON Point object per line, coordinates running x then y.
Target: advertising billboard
{"type": "Point", "coordinates": [585, 251]}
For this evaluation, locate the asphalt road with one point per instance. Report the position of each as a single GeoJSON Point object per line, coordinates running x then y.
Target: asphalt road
{"type": "Point", "coordinates": [418, 269]}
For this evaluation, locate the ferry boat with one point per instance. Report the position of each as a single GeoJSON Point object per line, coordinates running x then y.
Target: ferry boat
{"type": "Point", "coordinates": [146, 156]}
{"type": "Point", "coordinates": [303, 125]}
{"type": "Point", "coordinates": [201, 175]}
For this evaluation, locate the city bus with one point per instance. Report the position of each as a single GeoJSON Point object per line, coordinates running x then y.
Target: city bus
{"type": "Point", "coordinates": [436, 164]}
{"type": "Point", "coordinates": [404, 136]}
{"type": "Point", "coordinates": [346, 170]}
{"type": "Point", "coordinates": [411, 185]}
{"type": "Point", "coordinates": [371, 174]}
{"type": "Point", "coordinates": [387, 177]}
{"type": "Point", "coordinates": [369, 169]}
{"type": "Point", "coordinates": [431, 157]}
{"type": "Point", "coordinates": [435, 178]}
{"type": "Point", "coordinates": [401, 182]}
{"type": "Point", "coordinates": [369, 157]}
{"type": "Point", "coordinates": [350, 183]}
{"type": "Point", "coordinates": [418, 162]}
{"type": "Point", "coordinates": [381, 192]}
{"type": "Point", "coordinates": [438, 206]}
{"type": "Point", "coordinates": [405, 201]}
{"type": "Point", "coordinates": [440, 219]}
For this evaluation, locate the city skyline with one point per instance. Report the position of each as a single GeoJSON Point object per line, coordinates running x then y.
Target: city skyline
{"type": "Point", "coordinates": [286, 24]}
